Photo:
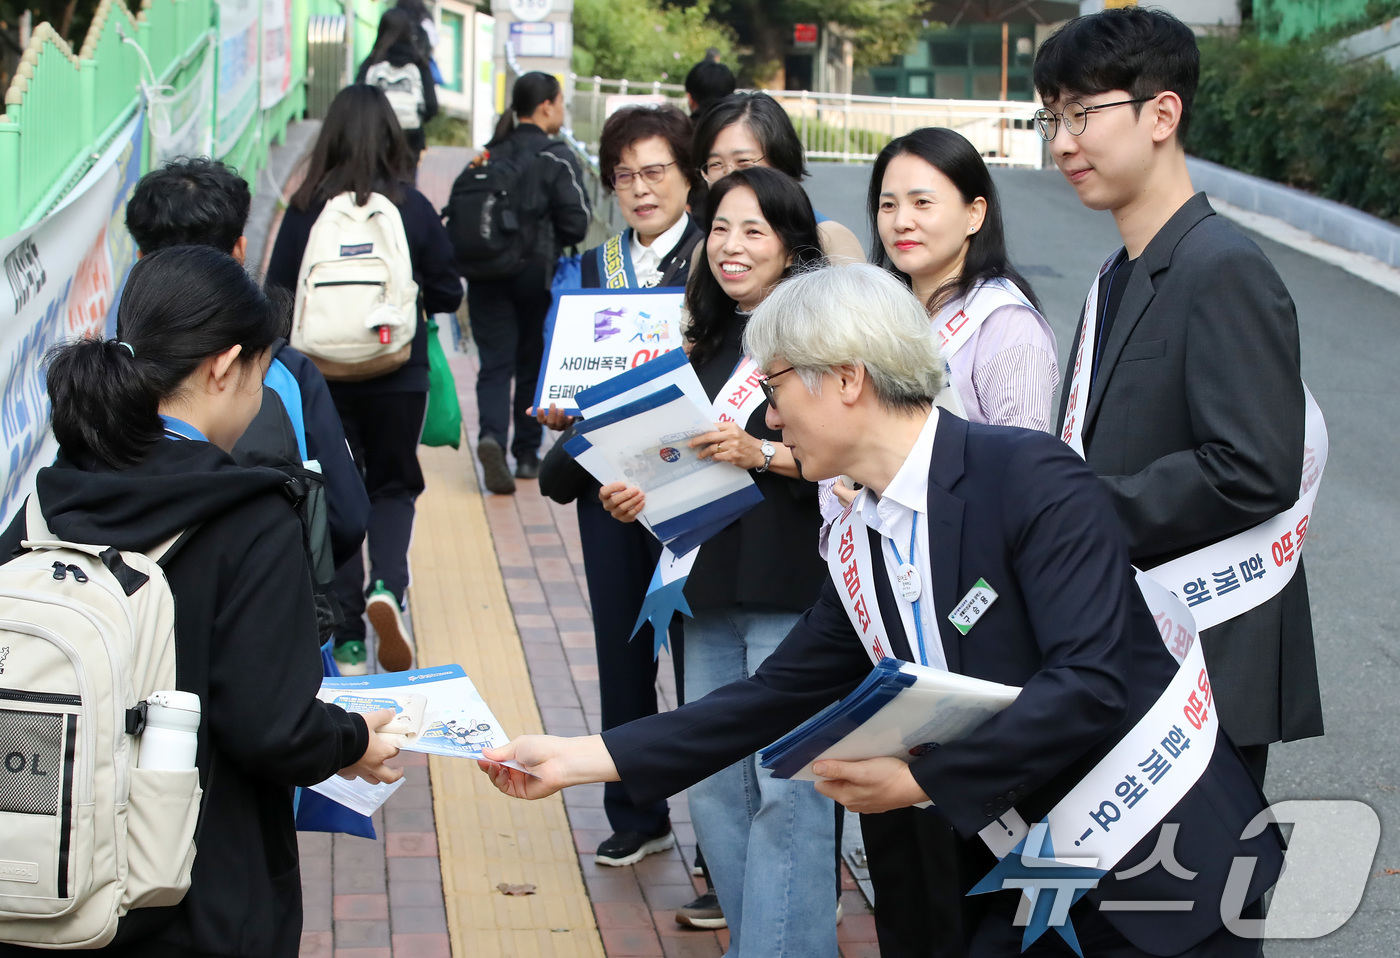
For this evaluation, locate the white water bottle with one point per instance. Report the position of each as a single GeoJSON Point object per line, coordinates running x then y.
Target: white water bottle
{"type": "Point", "coordinates": [171, 736]}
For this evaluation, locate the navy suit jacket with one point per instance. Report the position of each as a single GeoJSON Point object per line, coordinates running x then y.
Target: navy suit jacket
{"type": "Point", "coordinates": [1021, 510]}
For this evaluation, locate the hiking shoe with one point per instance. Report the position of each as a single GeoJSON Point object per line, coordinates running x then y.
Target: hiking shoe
{"type": "Point", "coordinates": [628, 848]}
{"type": "Point", "coordinates": [703, 912]}
{"type": "Point", "coordinates": [493, 465]}
{"type": "Point", "coordinates": [395, 649]}
{"type": "Point", "coordinates": [527, 467]}
{"type": "Point", "coordinates": [351, 658]}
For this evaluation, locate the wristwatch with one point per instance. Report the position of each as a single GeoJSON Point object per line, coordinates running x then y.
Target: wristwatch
{"type": "Point", "coordinates": [768, 451]}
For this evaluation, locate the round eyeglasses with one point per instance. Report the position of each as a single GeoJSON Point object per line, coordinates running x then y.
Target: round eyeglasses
{"type": "Point", "coordinates": [652, 174]}
{"type": "Point", "coordinates": [1076, 116]}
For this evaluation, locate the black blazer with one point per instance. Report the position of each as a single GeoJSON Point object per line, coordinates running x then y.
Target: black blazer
{"type": "Point", "coordinates": [1021, 510]}
{"type": "Point", "coordinates": [1195, 425]}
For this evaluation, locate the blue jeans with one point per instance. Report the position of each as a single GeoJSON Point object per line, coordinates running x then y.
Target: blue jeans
{"type": "Point", "coordinates": [769, 842]}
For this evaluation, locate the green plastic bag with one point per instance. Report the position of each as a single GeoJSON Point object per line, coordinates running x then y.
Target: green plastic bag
{"type": "Point", "coordinates": [442, 426]}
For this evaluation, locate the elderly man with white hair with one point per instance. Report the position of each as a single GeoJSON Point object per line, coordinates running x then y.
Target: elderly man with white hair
{"type": "Point", "coordinates": [952, 511]}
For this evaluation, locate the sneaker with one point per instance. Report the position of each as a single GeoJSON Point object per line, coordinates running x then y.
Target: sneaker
{"type": "Point", "coordinates": [395, 650]}
{"type": "Point", "coordinates": [493, 464]}
{"type": "Point", "coordinates": [703, 912]}
{"type": "Point", "coordinates": [527, 467]}
{"type": "Point", "coordinates": [351, 658]}
{"type": "Point", "coordinates": [628, 848]}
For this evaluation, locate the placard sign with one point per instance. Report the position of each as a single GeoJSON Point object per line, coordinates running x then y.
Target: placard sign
{"type": "Point", "coordinates": [591, 335]}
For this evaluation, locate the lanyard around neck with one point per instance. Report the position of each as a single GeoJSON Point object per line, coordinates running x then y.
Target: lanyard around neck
{"type": "Point", "coordinates": [918, 616]}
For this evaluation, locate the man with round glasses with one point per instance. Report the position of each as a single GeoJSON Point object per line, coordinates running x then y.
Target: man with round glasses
{"type": "Point", "coordinates": [1183, 390]}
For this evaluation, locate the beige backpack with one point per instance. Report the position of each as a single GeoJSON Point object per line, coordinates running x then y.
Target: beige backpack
{"type": "Point", "coordinates": [356, 304]}
{"type": "Point", "coordinates": [86, 633]}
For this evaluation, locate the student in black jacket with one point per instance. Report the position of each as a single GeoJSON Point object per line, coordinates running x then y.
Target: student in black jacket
{"type": "Point", "coordinates": [202, 202]}
{"type": "Point", "coordinates": [362, 150]}
{"type": "Point", "coordinates": [507, 315]}
{"type": "Point", "coordinates": [403, 74]}
{"type": "Point", "coordinates": [144, 427]}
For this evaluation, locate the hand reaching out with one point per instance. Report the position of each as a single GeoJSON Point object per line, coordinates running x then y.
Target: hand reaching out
{"type": "Point", "coordinates": [553, 763]}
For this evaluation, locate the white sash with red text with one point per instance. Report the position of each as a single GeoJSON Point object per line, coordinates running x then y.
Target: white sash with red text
{"type": "Point", "coordinates": [956, 322]}
{"type": "Point", "coordinates": [1247, 569]}
{"type": "Point", "coordinates": [1134, 786]}
{"type": "Point", "coordinates": [1072, 429]}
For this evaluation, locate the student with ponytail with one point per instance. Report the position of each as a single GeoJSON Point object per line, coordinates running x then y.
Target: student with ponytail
{"type": "Point", "coordinates": [144, 425]}
{"type": "Point", "coordinates": [508, 313]}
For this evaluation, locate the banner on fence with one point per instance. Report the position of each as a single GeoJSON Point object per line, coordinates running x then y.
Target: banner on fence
{"type": "Point", "coordinates": [276, 51]}
{"type": "Point", "coordinates": [63, 276]}
{"type": "Point", "coordinates": [238, 71]}
{"type": "Point", "coordinates": [180, 119]}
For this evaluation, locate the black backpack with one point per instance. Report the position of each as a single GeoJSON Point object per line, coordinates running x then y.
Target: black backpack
{"type": "Point", "coordinates": [494, 214]}
{"type": "Point", "coordinates": [271, 440]}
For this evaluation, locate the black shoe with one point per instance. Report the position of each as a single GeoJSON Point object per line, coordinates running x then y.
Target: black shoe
{"type": "Point", "coordinates": [703, 912]}
{"type": "Point", "coordinates": [527, 467]}
{"type": "Point", "coordinates": [628, 848]}
{"type": "Point", "coordinates": [493, 464]}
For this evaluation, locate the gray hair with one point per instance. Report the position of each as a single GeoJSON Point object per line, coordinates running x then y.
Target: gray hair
{"type": "Point", "coordinates": [855, 313]}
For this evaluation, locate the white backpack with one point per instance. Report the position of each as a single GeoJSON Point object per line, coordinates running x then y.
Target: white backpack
{"type": "Point", "coordinates": [404, 88]}
{"type": "Point", "coordinates": [356, 304]}
{"type": "Point", "coordinates": [86, 633]}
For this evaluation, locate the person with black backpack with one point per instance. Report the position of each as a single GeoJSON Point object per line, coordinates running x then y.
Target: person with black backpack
{"type": "Point", "coordinates": [144, 427]}
{"type": "Point", "coordinates": [510, 217]}
{"type": "Point", "coordinates": [399, 65]}
{"type": "Point", "coordinates": [396, 252]}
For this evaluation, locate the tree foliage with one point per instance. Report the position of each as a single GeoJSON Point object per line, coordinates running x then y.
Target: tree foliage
{"type": "Point", "coordinates": [645, 40]}
{"type": "Point", "coordinates": [1290, 113]}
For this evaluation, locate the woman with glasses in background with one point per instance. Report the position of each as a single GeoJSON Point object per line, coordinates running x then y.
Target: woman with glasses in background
{"type": "Point", "coordinates": [769, 843]}
{"type": "Point", "coordinates": [744, 130]}
{"type": "Point", "coordinates": [644, 159]}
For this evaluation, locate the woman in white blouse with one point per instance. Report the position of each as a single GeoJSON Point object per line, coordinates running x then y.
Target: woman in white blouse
{"type": "Point", "coordinates": [934, 211]}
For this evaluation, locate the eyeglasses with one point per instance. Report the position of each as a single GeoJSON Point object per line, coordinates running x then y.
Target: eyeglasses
{"type": "Point", "coordinates": [652, 174]}
{"type": "Point", "coordinates": [1075, 117]}
{"type": "Point", "coordinates": [768, 390]}
{"type": "Point", "coordinates": [717, 168]}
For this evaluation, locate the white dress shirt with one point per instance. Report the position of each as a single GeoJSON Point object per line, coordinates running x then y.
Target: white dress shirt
{"type": "Point", "coordinates": [894, 515]}
{"type": "Point", "coordinates": [646, 260]}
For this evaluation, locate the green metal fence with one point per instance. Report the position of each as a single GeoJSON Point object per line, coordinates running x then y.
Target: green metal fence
{"type": "Point", "coordinates": [62, 108]}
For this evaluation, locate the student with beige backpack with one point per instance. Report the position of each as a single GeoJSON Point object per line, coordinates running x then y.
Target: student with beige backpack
{"type": "Point", "coordinates": [149, 570]}
{"type": "Point", "coordinates": [368, 259]}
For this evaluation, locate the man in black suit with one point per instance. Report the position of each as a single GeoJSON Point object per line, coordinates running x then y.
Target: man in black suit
{"type": "Point", "coordinates": [1186, 397]}
{"type": "Point", "coordinates": [852, 369]}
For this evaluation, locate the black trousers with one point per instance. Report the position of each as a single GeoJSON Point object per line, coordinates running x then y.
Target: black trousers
{"type": "Point", "coordinates": [507, 320]}
{"type": "Point", "coordinates": [618, 560]}
{"type": "Point", "coordinates": [383, 431]}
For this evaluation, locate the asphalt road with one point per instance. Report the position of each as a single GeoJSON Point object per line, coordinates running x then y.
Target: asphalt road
{"type": "Point", "coordinates": [1350, 331]}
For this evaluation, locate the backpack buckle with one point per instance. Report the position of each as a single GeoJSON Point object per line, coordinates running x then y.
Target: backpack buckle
{"type": "Point", "coordinates": [136, 719]}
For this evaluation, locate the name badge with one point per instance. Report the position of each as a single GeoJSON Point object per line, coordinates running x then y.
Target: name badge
{"type": "Point", "coordinates": [910, 585]}
{"type": "Point", "coordinates": [977, 601]}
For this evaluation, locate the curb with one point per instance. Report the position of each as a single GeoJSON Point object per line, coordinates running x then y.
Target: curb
{"type": "Point", "coordinates": [1327, 220]}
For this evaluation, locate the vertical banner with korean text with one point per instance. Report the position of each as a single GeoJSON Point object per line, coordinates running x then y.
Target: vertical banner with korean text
{"type": "Point", "coordinates": [63, 276]}
{"type": "Point", "coordinates": [238, 71]}
{"type": "Point", "coordinates": [276, 51]}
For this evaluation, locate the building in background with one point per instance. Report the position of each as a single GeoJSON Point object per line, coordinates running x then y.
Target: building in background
{"type": "Point", "coordinates": [972, 50]}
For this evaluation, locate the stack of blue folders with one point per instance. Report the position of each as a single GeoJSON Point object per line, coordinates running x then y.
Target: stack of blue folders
{"type": "Point", "coordinates": [900, 710]}
{"type": "Point", "coordinates": [637, 428]}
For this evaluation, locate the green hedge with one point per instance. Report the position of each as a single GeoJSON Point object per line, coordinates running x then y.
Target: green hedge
{"type": "Point", "coordinates": [1290, 114]}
